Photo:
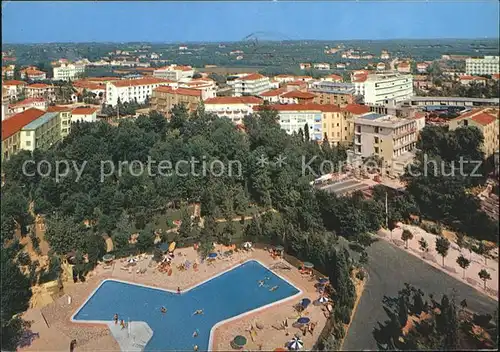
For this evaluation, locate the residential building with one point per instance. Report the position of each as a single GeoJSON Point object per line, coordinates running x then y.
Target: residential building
{"type": "Point", "coordinates": [486, 120]}
{"type": "Point", "coordinates": [295, 117]}
{"type": "Point", "coordinates": [37, 103]}
{"type": "Point", "coordinates": [385, 55]}
{"type": "Point", "coordinates": [404, 67]}
{"type": "Point", "coordinates": [322, 66]}
{"type": "Point", "coordinates": [284, 78]}
{"type": "Point", "coordinates": [207, 86]}
{"type": "Point", "coordinates": [40, 90]}
{"type": "Point", "coordinates": [165, 98]}
{"type": "Point", "coordinates": [467, 80]}
{"type": "Point", "coordinates": [297, 97]}
{"type": "Point", "coordinates": [8, 71]}
{"type": "Point", "coordinates": [332, 78]}
{"type": "Point", "coordinates": [381, 66]}
{"type": "Point", "coordinates": [174, 72]}
{"type": "Point", "coordinates": [84, 115]}
{"type": "Point", "coordinates": [388, 137]}
{"type": "Point", "coordinates": [488, 65]}
{"type": "Point", "coordinates": [11, 128]}
{"type": "Point", "coordinates": [273, 96]}
{"type": "Point", "coordinates": [233, 108]}
{"type": "Point", "coordinates": [5, 103]}
{"type": "Point", "coordinates": [495, 76]}
{"type": "Point", "coordinates": [296, 85]}
{"type": "Point", "coordinates": [33, 73]}
{"type": "Point", "coordinates": [341, 66]}
{"type": "Point", "coordinates": [305, 66]}
{"type": "Point", "coordinates": [333, 93]}
{"type": "Point", "coordinates": [378, 89]}
{"type": "Point", "coordinates": [64, 117]}
{"type": "Point", "coordinates": [133, 89]}
{"type": "Point", "coordinates": [338, 126]}
{"type": "Point", "coordinates": [65, 71]}
{"type": "Point", "coordinates": [41, 133]}
{"type": "Point", "coordinates": [99, 89]}
{"type": "Point", "coordinates": [252, 84]}
{"type": "Point", "coordinates": [422, 67]}
{"type": "Point", "coordinates": [14, 88]}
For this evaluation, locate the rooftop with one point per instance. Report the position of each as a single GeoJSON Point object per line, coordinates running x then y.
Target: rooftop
{"type": "Point", "coordinates": [357, 109]}
{"type": "Point", "coordinates": [252, 77]}
{"type": "Point", "coordinates": [387, 121]}
{"type": "Point", "coordinates": [59, 108]}
{"type": "Point", "coordinates": [13, 82]}
{"type": "Point", "coordinates": [234, 100]}
{"type": "Point", "coordinates": [33, 125]}
{"type": "Point", "coordinates": [84, 111]}
{"type": "Point", "coordinates": [299, 95]}
{"type": "Point", "coordinates": [273, 92]}
{"type": "Point", "coordinates": [27, 101]}
{"type": "Point", "coordinates": [16, 122]}
{"type": "Point", "coordinates": [39, 86]}
{"type": "Point", "coordinates": [484, 118]}
{"type": "Point", "coordinates": [139, 82]}
{"type": "Point", "coordinates": [305, 107]}
{"type": "Point", "coordinates": [181, 91]}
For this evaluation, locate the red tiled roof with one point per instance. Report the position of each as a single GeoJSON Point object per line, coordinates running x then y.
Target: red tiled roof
{"type": "Point", "coordinates": [99, 79]}
{"type": "Point", "coordinates": [273, 92]}
{"type": "Point", "coordinates": [357, 109]}
{"type": "Point", "coordinates": [84, 111]}
{"type": "Point", "coordinates": [59, 108]}
{"type": "Point", "coordinates": [32, 72]}
{"type": "Point", "coordinates": [13, 82]}
{"type": "Point", "coordinates": [181, 91]}
{"type": "Point", "coordinates": [39, 86]}
{"type": "Point", "coordinates": [495, 76]}
{"type": "Point", "coordinates": [472, 78]}
{"type": "Point", "coordinates": [27, 101]}
{"type": "Point", "coordinates": [252, 77]}
{"type": "Point", "coordinates": [297, 83]}
{"type": "Point", "coordinates": [303, 107]}
{"type": "Point", "coordinates": [404, 65]}
{"type": "Point", "coordinates": [299, 95]}
{"type": "Point", "coordinates": [336, 77]}
{"type": "Point", "coordinates": [140, 82]}
{"type": "Point", "coordinates": [234, 100]}
{"type": "Point", "coordinates": [484, 118]}
{"type": "Point", "coordinates": [16, 122]}
{"type": "Point", "coordinates": [89, 85]}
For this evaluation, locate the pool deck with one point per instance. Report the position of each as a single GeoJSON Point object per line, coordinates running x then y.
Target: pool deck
{"type": "Point", "coordinates": [56, 329]}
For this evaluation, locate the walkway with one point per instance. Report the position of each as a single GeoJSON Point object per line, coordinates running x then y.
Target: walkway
{"type": "Point", "coordinates": [451, 266]}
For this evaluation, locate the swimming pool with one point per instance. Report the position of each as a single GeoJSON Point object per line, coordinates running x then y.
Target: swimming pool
{"type": "Point", "coordinates": [223, 297]}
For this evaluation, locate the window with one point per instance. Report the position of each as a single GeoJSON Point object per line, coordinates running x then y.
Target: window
{"type": "Point", "coordinates": [28, 143]}
{"type": "Point", "coordinates": [345, 128]}
{"type": "Point", "coordinates": [376, 150]}
{"type": "Point", "coordinates": [376, 139]}
{"type": "Point", "coordinates": [28, 133]}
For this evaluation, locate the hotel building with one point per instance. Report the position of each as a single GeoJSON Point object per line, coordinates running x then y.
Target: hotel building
{"type": "Point", "coordinates": [488, 65]}
{"type": "Point", "coordinates": [252, 84]}
{"type": "Point", "coordinates": [174, 72]}
{"type": "Point", "coordinates": [379, 89]}
{"type": "Point", "coordinates": [133, 89]}
{"type": "Point", "coordinates": [64, 71]}
{"type": "Point", "coordinates": [233, 108]}
{"type": "Point", "coordinates": [165, 98]}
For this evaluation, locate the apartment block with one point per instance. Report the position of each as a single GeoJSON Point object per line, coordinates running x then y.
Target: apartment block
{"type": "Point", "coordinates": [379, 89]}
{"type": "Point", "coordinates": [65, 71]}
{"type": "Point", "coordinates": [84, 115]}
{"type": "Point", "coordinates": [64, 116]}
{"type": "Point", "coordinates": [487, 65]}
{"type": "Point", "coordinates": [37, 103]}
{"type": "Point", "coordinates": [252, 84]}
{"type": "Point", "coordinates": [134, 89]}
{"type": "Point", "coordinates": [40, 90]}
{"type": "Point", "coordinates": [333, 93]}
{"type": "Point", "coordinates": [388, 137]}
{"type": "Point", "coordinates": [233, 108]}
{"type": "Point", "coordinates": [174, 72]}
{"type": "Point", "coordinates": [42, 133]}
{"type": "Point", "coordinates": [14, 88]}
{"type": "Point", "coordinates": [486, 120]}
{"type": "Point", "coordinates": [165, 98]}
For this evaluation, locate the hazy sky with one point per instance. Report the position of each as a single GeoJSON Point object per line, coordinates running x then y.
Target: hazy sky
{"type": "Point", "coordinates": [42, 22]}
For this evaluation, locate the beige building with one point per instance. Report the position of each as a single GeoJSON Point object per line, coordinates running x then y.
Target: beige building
{"type": "Point", "coordinates": [11, 131]}
{"type": "Point", "coordinates": [65, 115]}
{"type": "Point", "coordinates": [385, 136]}
{"type": "Point", "coordinates": [486, 120]}
{"type": "Point", "coordinates": [337, 125]}
{"type": "Point", "coordinates": [165, 98]}
{"type": "Point", "coordinates": [41, 133]}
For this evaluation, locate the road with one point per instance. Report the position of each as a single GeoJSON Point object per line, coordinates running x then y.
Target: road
{"type": "Point", "coordinates": [388, 269]}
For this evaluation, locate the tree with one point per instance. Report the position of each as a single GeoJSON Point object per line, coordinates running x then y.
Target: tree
{"type": "Point", "coordinates": [402, 311]}
{"type": "Point", "coordinates": [406, 236]}
{"type": "Point", "coordinates": [423, 245]}
{"type": "Point", "coordinates": [363, 258]}
{"type": "Point", "coordinates": [485, 276]}
{"type": "Point", "coordinates": [306, 133]}
{"type": "Point", "coordinates": [442, 246]}
{"type": "Point", "coordinates": [481, 249]}
{"type": "Point", "coordinates": [463, 262]}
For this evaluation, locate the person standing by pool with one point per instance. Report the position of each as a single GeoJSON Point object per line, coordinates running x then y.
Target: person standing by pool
{"type": "Point", "coordinates": [178, 290]}
{"type": "Point", "coordinates": [122, 324]}
{"type": "Point", "coordinates": [116, 318]}
{"type": "Point", "coordinates": [163, 309]}
{"type": "Point", "coordinates": [195, 333]}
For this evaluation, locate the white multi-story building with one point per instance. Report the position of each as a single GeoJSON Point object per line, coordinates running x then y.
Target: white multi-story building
{"type": "Point", "coordinates": [379, 89]}
{"type": "Point", "coordinates": [388, 137]}
{"type": "Point", "coordinates": [488, 65]}
{"type": "Point", "coordinates": [207, 86]}
{"type": "Point", "coordinates": [174, 72]}
{"type": "Point", "coordinates": [133, 89]}
{"type": "Point", "coordinates": [322, 66]}
{"type": "Point", "coordinates": [64, 71]}
{"type": "Point", "coordinates": [5, 103]}
{"type": "Point", "coordinates": [14, 88]}
{"type": "Point", "coordinates": [33, 73]}
{"type": "Point", "coordinates": [84, 115]}
{"type": "Point", "coordinates": [295, 117]}
{"type": "Point", "coordinates": [252, 84]}
{"type": "Point", "coordinates": [40, 90]}
{"type": "Point", "coordinates": [37, 103]}
{"type": "Point", "coordinates": [233, 108]}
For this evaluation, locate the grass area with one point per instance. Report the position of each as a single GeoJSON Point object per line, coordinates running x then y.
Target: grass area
{"type": "Point", "coordinates": [164, 220]}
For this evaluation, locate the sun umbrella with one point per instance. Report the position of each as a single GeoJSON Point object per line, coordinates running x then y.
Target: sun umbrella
{"type": "Point", "coordinates": [240, 341]}
{"type": "Point", "coordinates": [308, 265]}
{"type": "Point", "coordinates": [323, 299]}
{"type": "Point", "coordinates": [323, 280]}
{"type": "Point", "coordinates": [171, 247]}
{"type": "Point", "coordinates": [295, 344]}
{"type": "Point", "coordinates": [212, 255]}
{"type": "Point", "coordinates": [303, 320]}
{"type": "Point", "coordinates": [305, 302]}
{"type": "Point", "coordinates": [247, 245]}
{"type": "Point", "coordinates": [279, 248]}
{"type": "Point", "coordinates": [164, 246]}
{"type": "Point", "coordinates": [108, 257]}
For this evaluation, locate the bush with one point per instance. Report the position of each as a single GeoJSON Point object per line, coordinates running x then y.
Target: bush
{"type": "Point", "coordinates": [482, 320]}
{"type": "Point", "coordinates": [157, 255]}
{"type": "Point", "coordinates": [23, 258]}
{"type": "Point", "coordinates": [432, 228]}
{"type": "Point", "coordinates": [343, 314]}
{"type": "Point", "coordinates": [338, 331]}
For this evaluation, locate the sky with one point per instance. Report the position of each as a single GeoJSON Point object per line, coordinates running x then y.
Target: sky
{"type": "Point", "coordinates": [190, 21]}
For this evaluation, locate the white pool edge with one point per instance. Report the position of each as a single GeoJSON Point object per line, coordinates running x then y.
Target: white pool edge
{"type": "Point", "coordinates": [222, 322]}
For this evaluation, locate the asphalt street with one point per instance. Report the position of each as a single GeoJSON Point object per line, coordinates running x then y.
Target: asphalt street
{"type": "Point", "coordinates": [388, 269]}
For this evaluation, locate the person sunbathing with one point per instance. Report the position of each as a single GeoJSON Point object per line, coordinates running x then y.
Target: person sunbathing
{"type": "Point", "coordinates": [198, 312]}
{"type": "Point", "coordinates": [274, 288]}
{"type": "Point", "coordinates": [261, 283]}
{"type": "Point", "coordinates": [163, 309]}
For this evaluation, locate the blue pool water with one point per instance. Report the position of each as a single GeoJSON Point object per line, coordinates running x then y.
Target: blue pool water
{"type": "Point", "coordinates": [228, 295]}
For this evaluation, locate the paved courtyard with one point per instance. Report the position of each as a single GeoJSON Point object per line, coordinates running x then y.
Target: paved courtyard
{"type": "Point", "coordinates": [389, 268]}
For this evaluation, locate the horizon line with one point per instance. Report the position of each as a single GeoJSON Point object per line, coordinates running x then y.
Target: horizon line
{"type": "Point", "coordinates": [246, 40]}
